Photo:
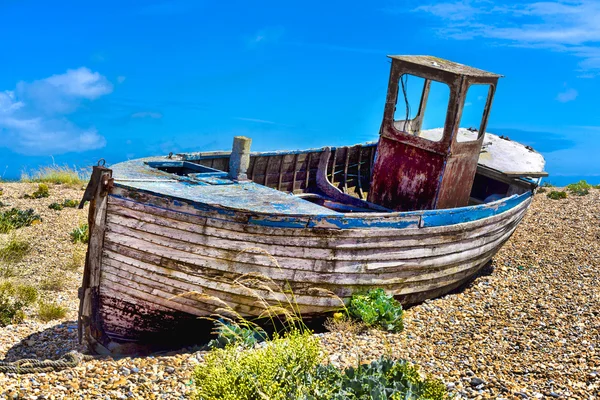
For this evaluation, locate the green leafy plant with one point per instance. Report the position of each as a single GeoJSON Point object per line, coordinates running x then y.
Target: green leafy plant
{"type": "Point", "coordinates": [70, 203]}
{"type": "Point", "coordinates": [556, 195]}
{"type": "Point", "coordinates": [49, 311]}
{"type": "Point", "coordinates": [378, 309]}
{"type": "Point", "coordinates": [236, 334]}
{"type": "Point", "coordinates": [542, 190]}
{"type": "Point", "coordinates": [66, 203]}
{"type": "Point", "coordinates": [13, 299]}
{"type": "Point", "coordinates": [547, 185]}
{"type": "Point", "coordinates": [42, 191]}
{"type": "Point", "coordinates": [15, 219]}
{"type": "Point", "coordinates": [290, 367]}
{"type": "Point", "coordinates": [80, 234]}
{"type": "Point", "coordinates": [55, 206]}
{"type": "Point", "coordinates": [580, 188]}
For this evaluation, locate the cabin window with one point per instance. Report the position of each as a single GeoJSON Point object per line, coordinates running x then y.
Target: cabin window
{"type": "Point", "coordinates": [473, 113]}
{"type": "Point", "coordinates": [421, 106]}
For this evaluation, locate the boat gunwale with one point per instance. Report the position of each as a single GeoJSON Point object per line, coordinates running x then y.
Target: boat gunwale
{"type": "Point", "coordinates": [375, 220]}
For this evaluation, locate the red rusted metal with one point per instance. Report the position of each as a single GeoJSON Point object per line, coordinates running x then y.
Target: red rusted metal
{"type": "Point", "coordinates": [414, 173]}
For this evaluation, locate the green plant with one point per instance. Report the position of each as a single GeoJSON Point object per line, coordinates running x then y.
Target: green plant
{"type": "Point", "coordinates": [12, 301]}
{"type": "Point", "coordinates": [70, 203]}
{"type": "Point", "coordinates": [276, 371]}
{"type": "Point", "coordinates": [290, 367]}
{"type": "Point", "coordinates": [580, 188]}
{"type": "Point", "coordinates": [55, 174]}
{"type": "Point", "coordinates": [76, 261]}
{"type": "Point", "coordinates": [376, 308]}
{"type": "Point", "coordinates": [49, 311]}
{"type": "Point", "coordinates": [55, 206]}
{"type": "Point", "coordinates": [14, 250]}
{"type": "Point", "coordinates": [237, 334]}
{"type": "Point", "coordinates": [66, 203]}
{"type": "Point", "coordinates": [80, 234]}
{"type": "Point", "coordinates": [556, 195]}
{"type": "Point", "coordinates": [340, 322]}
{"type": "Point", "coordinates": [15, 219]}
{"type": "Point", "coordinates": [42, 191]}
{"type": "Point", "coordinates": [547, 185]}
{"type": "Point", "coordinates": [55, 283]}
{"type": "Point", "coordinates": [2, 204]}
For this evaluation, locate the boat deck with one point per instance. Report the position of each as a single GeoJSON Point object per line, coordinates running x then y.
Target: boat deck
{"type": "Point", "coordinates": [213, 189]}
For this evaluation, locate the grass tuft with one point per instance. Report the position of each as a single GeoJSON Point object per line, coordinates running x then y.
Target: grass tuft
{"type": "Point", "coordinates": [76, 261]}
{"type": "Point", "coordinates": [64, 175]}
{"type": "Point", "coordinates": [49, 311]}
{"type": "Point", "coordinates": [556, 195]}
{"type": "Point", "coordinates": [580, 188]}
{"type": "Point", "coordinates": [13, 251]}
{"type": "Point", "coordinates": [340, 322]}
{"type": "Point", "coordinates": [54, 283]}
{"type": "Point", "coordinates": [13, 299]}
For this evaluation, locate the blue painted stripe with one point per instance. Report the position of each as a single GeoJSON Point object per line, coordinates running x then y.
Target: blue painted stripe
{"type": "Point", "coordinates": [455, 216]}
{"type": "Point", "coordinates": [278, 222]}
{"type": "Point", "coordinates": [355, 223]}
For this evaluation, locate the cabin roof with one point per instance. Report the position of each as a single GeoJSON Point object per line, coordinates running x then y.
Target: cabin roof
{"type": "Point", "coordinates": [441, 64]}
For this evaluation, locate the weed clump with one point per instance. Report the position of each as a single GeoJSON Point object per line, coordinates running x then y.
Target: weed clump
{"type": "Point", "coordinates": [49, 311]}
{"type": "Point", "coordinates": [15, 219]}
{"type": "Point", "coordinates": [42, 191]}
{"type": "Point", "coordinates": [290, 367]}
{"type": "Point", "coordinates": [67, 203]}
{"type": "Point", "coordinates": [341, 322]}
{"type": "Point", "coordinates": [13, 299]}
{"type": "Point", "coordinates": [76, 261]}
{"type": "Point", "coordinates": [580, 188]}
{"type": "Point", "coordinates": [55, 174]}
{"type": "Point", "coordinates": [378, 309]}
{"type": "Point", "coordinates": [54, 283]}
{"type": "Point", "coordinates": [80, 234]}
{"type": "Point", "coordinates": [556, 195]}
{"type": "Point", "coordinates": [14, 250]}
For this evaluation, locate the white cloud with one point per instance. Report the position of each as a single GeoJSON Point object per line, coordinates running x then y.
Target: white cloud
{"type": "Point", "coordinates": [568, 95]}
{"type": "Point", "coordinates": [33, 116]}
{"type": "Point", "coordinates": [266, 35]}
{"type": "Point", "coordinates": [147, 114]}
{"type": "Point", "coordinates": [565, 25]}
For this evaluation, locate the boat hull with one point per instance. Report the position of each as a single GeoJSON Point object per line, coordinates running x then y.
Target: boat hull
{"type": "Point", "coordinates": [158, 265]}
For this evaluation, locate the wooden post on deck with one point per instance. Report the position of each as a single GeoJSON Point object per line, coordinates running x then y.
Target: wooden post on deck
{"type": "Point", "coordinates": [239, 161]}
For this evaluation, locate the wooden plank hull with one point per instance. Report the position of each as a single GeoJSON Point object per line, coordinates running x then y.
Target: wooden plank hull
{"type": "Point", "coordinates": [162, 264]}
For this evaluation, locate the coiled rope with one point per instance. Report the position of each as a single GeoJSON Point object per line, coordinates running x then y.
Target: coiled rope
{"type": "Point", "coordinates": [32, 365]}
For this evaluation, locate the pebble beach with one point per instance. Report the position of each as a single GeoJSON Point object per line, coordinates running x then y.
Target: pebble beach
{"type": "Point", "coordinates": [528, 326]}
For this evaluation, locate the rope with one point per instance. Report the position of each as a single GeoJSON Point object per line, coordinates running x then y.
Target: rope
{"type": "Point", "coordinates": [31, 365]}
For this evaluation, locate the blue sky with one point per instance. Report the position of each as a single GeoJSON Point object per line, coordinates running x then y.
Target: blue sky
{"type": "Point", "coordinates": [127, 79]}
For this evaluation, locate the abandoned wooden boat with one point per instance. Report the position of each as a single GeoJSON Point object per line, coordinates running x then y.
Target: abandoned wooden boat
{"type": "Point", "coordinates": [417, 213]}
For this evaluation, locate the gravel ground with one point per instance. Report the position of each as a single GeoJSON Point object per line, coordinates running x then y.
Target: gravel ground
{"type": "Point", "coordinates": [527, 327]}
